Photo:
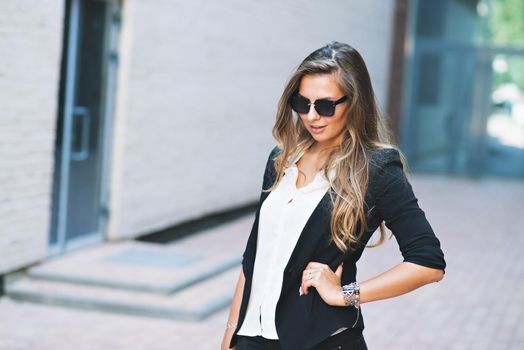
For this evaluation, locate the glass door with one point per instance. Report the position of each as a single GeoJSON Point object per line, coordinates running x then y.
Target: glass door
{"type": "Point", "coordinates": [464, 88]}
{"type": "Point", "coordinates": [441, 107]}
{"type": "Point", "coordinates": [84, 123]}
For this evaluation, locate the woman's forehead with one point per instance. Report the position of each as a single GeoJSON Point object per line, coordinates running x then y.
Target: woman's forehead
{"type": "Point", "coordinates": [315, 86]}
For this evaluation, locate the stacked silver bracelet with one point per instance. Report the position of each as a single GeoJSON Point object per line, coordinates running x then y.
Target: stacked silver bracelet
{"type": "Point", "coordinates": [351, 294]}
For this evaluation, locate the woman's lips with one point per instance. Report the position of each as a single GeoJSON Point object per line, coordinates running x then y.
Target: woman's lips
{"type": "Point", "coordinates": [317, 130]}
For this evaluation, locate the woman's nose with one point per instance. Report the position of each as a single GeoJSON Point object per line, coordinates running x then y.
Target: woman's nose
{"type": "Point", "coordinates": [312, 114]}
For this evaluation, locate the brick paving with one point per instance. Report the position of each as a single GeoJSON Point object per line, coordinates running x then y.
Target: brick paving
{"type": "Point", "coordinates": [478, 223]}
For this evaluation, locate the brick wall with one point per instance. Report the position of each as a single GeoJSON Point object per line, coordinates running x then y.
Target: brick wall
{"type": "Point", "coordinates": [197, 93]}
{"type": "Point", "coordinates": [202, 82]}
{"type": "Point", "coordinates": [30, 46]}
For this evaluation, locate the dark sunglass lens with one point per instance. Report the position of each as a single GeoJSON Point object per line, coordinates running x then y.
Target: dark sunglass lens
{"type": "Point", "coordinates": [325, 107]}
{"type": "Point", "coordinates": [300, 104]}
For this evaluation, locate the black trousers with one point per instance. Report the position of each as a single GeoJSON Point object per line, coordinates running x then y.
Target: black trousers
{"type": "Point", "coordinates": [348, 339]}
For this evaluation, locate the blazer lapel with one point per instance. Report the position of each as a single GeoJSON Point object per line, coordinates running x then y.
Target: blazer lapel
{"type": "Point", "coordinates": [307, 242]}
{"type": "Point", "coordinates": [263, 197]}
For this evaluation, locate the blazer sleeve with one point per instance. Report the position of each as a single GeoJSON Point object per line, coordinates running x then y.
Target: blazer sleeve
{"type": "Point", "coordinates": [398, 206]}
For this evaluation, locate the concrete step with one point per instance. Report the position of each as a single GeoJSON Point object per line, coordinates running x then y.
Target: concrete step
{"type": "Point", "coordinates": [138, 266]}
{"type": "Point", "coordinates": [188, 279]}
{"type": "Point", "coordinates": [195, 302]}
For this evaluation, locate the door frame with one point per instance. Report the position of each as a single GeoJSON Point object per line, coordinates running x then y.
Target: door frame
{"type": "Point", "coordinates": [113, 20]}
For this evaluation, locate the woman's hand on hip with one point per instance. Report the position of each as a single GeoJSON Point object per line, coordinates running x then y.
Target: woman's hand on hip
{"type": "Point", "coordinates": [327, 282]}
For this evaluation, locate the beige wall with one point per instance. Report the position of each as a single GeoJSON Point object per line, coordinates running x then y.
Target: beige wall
{"type": "Point", "coordinates": [197, 91]}
{"type": "Point", "coordinates": [30, 48]}
{"type": "Point", "coordinates": [202, 80]}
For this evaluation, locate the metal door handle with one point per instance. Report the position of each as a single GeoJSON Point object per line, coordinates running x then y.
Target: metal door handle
{"type": "Point", "coordinates": [81, 115]}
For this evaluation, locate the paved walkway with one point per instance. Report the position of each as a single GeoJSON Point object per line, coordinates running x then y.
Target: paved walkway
{"type": "Point", "coordinates": [478, 305]}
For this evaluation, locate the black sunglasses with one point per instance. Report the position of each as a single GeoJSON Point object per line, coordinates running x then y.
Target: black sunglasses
{"type": "Point", "coordinates": [324, 107]}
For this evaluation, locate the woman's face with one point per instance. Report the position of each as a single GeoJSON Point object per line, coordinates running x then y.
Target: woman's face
{"type": "Point", "coordinates": [323, 86]}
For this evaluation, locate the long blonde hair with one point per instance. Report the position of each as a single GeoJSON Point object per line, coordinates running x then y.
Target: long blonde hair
{"type": "Point", "coordinates": [365, 132]}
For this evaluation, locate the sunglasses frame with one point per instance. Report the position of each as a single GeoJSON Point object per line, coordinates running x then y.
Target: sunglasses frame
{"type": "Point", "coordinates": [309, 103]}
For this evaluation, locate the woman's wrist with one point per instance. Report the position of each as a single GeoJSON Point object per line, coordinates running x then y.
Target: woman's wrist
{"type": "Point", "coordinates": [231, 325]}
{"type": "Point", "coordinates": [350, 295]}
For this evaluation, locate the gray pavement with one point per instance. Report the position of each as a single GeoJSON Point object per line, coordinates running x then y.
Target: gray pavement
{"type": "Point", "coordinates": [478, 304]}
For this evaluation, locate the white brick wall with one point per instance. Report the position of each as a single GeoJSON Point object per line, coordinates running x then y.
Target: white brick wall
{"type": "Point", "coordinates": [198, 87]}
{"type": "Point", "coordinates": [203, 80]}
{"type": "Point", "coordinates": [30, 45]}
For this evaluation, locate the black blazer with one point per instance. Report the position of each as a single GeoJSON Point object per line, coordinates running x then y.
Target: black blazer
{"type": "Point", "coordinates": [304, 321]}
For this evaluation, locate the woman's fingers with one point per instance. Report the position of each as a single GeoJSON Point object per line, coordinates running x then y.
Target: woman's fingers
{"type": "Point", "coordinates": [306, 273]}
{"type": "Point", "coordinates": [305, 283]}
{"type": "Point", "coordinates": [304, 287]}
{"type": "Point", "coordinates": [311, 274]}
{"type": "Point", "coordinates": [314, 272]}
{"type": "Point", "coordinates": [309, 278]}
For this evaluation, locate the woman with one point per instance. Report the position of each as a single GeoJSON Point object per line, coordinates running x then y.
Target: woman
{"type": "Point", "coordinates": [333, 179]}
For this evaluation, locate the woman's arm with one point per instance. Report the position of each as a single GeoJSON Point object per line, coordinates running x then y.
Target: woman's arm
{"type": "Point", "coordinates": [234, 310]}
{"type": "Point", "coordinates": [398, 280]}
{"type": "Point", "coordinates": [397, 205]}
{"type": "Point", "coordinates": [423, 258]}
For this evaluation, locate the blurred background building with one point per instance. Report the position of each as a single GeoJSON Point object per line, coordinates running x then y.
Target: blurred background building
{"type": "Point", "coordinates": [125, 119]}
{"type": "Point", "coordinates": [463, 103]}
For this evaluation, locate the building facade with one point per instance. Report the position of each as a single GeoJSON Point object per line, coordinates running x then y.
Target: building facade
{"type": "Point", "coordinates": [122, 118]}
{"type": "Point", "coordinates": [463, 94]}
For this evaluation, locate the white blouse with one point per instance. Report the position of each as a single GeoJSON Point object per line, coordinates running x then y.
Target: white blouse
{"type": "Point", "coordinates": [282, 217]}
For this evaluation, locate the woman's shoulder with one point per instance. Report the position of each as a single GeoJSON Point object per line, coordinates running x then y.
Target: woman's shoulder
{"type": "Point", "coordinates": [379, 158]}
{"type": "Point", "coordinates": [383, 155]}
{"type": "Point", "coordinates": [386, 166]}
{"type": "Point", "coordinates": [275, 151]}
{"type": "Point", "coordinates": [270, 172]}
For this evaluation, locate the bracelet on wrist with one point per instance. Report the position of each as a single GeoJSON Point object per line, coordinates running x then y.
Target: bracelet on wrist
{"type": "Point", "coordinates": [351, 294]}
{"type": "Point", "coordinates": [231, 325]}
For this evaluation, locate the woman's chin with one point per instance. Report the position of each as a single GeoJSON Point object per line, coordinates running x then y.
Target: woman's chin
{"type": "Point", "coordinates": [319, 138]}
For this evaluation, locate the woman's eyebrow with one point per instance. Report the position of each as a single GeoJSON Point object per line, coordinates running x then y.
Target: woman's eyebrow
{"type": "Point", "coordinates": [321, 98]}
